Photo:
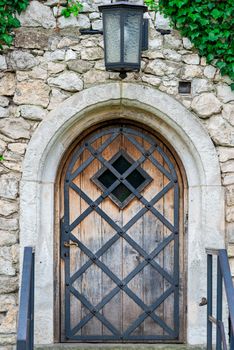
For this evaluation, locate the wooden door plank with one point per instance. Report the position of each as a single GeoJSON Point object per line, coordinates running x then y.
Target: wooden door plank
{"type": "Point", "coordinates": [153, 235]}
{"type": "Point", "coordinates": [131, 258]}
{"type": "Point", "coordinates": [91, 236]}
{"type": "Point", "coordinates": [113, 257]}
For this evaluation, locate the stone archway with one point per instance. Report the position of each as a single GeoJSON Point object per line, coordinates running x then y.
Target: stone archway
{"type": "Point", "coordinates": [191, 142]}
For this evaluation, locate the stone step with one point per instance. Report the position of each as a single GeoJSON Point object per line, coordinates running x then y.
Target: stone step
{"type": "Point", "coordinates": [119, 347]}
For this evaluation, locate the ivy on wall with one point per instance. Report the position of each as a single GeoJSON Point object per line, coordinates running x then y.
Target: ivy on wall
{"type": "Point", "coordinates": [10, 8]}
{"type": "Point", "coordinates": [8, 20]}
{"type": "Point", "coordinates": [209, 24]}
{"type": "Point", "coordinates": [73, 7]}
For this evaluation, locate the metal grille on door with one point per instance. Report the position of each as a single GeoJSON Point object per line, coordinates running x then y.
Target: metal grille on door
{"type": "Point", "coordinates": [119, 239]}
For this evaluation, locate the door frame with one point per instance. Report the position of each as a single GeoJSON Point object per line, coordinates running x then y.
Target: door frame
{"type": "Point", "coordinates": [166, 115]}
{"type": "Point", "coordinates": [183, 223]}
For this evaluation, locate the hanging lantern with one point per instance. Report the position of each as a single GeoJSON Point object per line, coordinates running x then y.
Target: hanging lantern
{"type": "Point", "coordinates": [123, 33]}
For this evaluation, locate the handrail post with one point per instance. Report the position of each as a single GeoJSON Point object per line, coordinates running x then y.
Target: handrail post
{"type": "Point", "coordinates": [209, 300]}
{"type": "Point", "coordinates": [25, 330]}
{"type": "Point", "coordinates": [31, 312]}
{"type": "Point", "coordinates": [219, 309]}
{"type": "Point", "coordinates": [231, 339]}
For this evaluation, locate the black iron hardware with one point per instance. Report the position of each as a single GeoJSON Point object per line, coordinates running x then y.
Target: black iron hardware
{"type": "Point", "coordinates": [223, 277]}
{"type": "Point", "coordinates": [203, 302]}
{"type": "Point", "coordinates": [25, 330]}
{"type": "Point", "coordinates": [118, 175]}
{"type": "Point", "coordinates": [70, 244]}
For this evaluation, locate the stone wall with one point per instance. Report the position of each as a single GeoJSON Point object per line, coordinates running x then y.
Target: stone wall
{"type": "Point", "coordinates": [49, 62]}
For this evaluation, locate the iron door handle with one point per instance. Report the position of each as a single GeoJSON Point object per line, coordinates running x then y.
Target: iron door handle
{"type": "Point", "coordinates": [68, 244]}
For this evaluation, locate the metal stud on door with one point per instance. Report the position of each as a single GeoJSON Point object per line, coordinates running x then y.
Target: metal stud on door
{"type": "Point", "coordinates": [120, 250]}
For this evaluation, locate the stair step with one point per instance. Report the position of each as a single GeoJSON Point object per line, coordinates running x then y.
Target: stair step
{"type": "Point", "coordinates": [118, 347]}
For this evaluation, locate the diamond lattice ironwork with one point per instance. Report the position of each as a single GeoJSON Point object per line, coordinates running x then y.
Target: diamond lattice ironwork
{"type": "Point", "coordinates": [121, 171]}
{"type": "Point", "coordinates": [121, 195]}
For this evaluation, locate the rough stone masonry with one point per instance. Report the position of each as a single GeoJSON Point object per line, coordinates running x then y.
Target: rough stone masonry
{"type": "Point", "coordinates": [49, 62]}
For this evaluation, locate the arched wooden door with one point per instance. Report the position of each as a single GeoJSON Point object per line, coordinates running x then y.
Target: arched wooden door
{"type": "Point", "coordinates": [121, 239]}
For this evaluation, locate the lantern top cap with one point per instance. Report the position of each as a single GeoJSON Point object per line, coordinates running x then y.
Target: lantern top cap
{"type": "Point", "coordinates": [122, 4]}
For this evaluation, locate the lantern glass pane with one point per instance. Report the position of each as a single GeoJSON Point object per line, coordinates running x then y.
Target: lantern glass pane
{"type": "Point", "coordinates": [112, 36]}
{"type": "Point", "coordinates": [132, 32]}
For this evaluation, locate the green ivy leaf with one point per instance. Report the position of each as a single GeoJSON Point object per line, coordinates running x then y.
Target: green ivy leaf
{"type": "Point", "coordinates": [216, 13]}
{"type": "Point", "coordinates": [208, 24]}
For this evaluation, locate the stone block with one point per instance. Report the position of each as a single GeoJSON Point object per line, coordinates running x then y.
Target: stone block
{"type": "Point", "coordinates": [230, 214]}
{"type": "Point", "coordinates": [225, 153]}
{"type": "Point", "coordinates": [230, 195]}
{"type": "Point", "coordinates": [6, 262]}
{"type": "Point", "coordinates": [191, 71]}
{"type": "Point", "coordinates": [57, 96]}
{"type": "Point", "coordinates": [8, 284]}
{"type": "Point", "coordinates": [224, 93]}
{"type": "Point", "coordinates": [4, 112]}
{"type": "Point", "coordinates": [92, 53]}
{"type": "Point", "coordinates": [8, 324]}
{"type": "Point", "coordinates": [156, 67]}
{"type": "Point", "coordinates": [228, 113]}
{"type": "Point", "coordinates": [150, 79]}
{"type": "Point", "coordinates": [228, 179]}
{"type": "Point", "coordinates": [162, 22]}
{"type": "Point", "coordinates": [18, 148]}
{"type": "Point", "coordinates": [32, 38]}
{"type": "Point", "coordinates": [172, 42]}
{"type": "Point", "coordinates": [95, 76]}
{"type": "Point", "coordinates": [3, 64]}
{"type": "Point", "coordinates": [9, 187]}
{"type": "Point", "coordinates": [32, 112]}
{"type": "Point", "coordinates": [69, 81]}
{"type": "Point", "coordinates": [171, 55]}
{"type": "Point", "coordinates": [15, 128]}
{"type": "Point", "coordinates": [82, 21]}
{"type": "Point", "coordinates": [206, 104]}
{"type": "Point", "coordinates": [94, 15]}
{"type": "Point", "coordinates": [4, 102]}
{"type": "Point", "coordinates": [20, 60]}
{"type": "Point", "coordinates": [210, 72]}
{"type": "Point", "coordinates": [70, 55]}
{"type": "Point", "coordinates": [80, 66]}
{"type": "Point", "coordinates": [201, 85]}
{"type": "Point", "coordinates": [57, 55]}
{"type": "Point", "coordinates": [227, 166]}
{"type": "Point", "coordinates": [37, 15]}
{"type": "Point", "coordinates": [97, 25]}
{"type": "Point", "coordinates": [187, 44]}
{"type": "Point", "coordinates": [9, 224]}
{"type": "Point", "coordinates": [32, 92]}
{"type": "Point", "coordinates": [221, 132]}
{"type": "Point", "coordinates": [191, 59]}
{"type": "Point", "coordinates": [7, 238]}
{"type": "Point", "coordinates": [7, 208]}
{"type": "Point", "coordinates": [55, 68]}
{"type": "Point", "coordinates": [67, 42]}
{"type": "Point", "coordinates": [7, 341]}
{"type": "Point", "coordinates": [7, 84]}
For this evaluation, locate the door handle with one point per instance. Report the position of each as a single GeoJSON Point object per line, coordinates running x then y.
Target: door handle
{"type": "Point", "coordinates": [68, 244]}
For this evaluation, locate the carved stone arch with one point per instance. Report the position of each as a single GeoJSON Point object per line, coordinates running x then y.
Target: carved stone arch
{"type": "Point", "coordinates": [161, 113]}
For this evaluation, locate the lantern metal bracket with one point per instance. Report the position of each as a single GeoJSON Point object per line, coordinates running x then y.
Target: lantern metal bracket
{"type": "Point", "coordinates": [90, 31]}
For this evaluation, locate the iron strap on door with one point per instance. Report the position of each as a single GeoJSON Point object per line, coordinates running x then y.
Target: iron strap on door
{"type": "Point", "coordinates": [119, 179]}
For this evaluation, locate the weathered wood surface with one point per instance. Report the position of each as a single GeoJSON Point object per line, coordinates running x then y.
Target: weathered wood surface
{"type": "Point", "coordinates": [122, 258]}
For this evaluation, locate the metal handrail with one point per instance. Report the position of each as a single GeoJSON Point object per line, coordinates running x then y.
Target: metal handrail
{"type": "Point", "coordinates": [223, 277]}
{"type": "Point", "coordinates": [25, 330]}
